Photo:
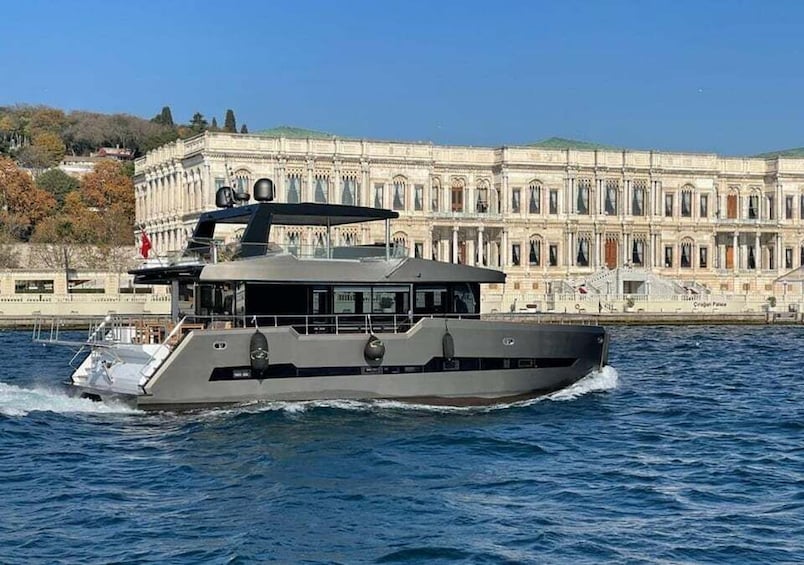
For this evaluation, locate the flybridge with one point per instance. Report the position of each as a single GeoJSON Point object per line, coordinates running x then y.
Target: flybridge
{"type": "Point", "coordinates": [204, 246]}
{"type": "Point", "coordinates": [258, 218]}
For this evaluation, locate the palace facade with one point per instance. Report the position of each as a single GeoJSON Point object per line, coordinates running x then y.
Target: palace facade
{"type": "Point", "coordinates": [729, 224]}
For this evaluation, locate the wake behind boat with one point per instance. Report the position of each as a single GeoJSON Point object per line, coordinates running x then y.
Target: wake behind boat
{"type": "Point", "coordinates": [255, 321]}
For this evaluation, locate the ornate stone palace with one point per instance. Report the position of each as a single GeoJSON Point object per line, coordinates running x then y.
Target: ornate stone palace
{"type": "Point", "coordinates": [731, 225]}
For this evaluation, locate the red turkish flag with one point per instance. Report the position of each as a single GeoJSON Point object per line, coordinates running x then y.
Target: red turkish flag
{"type": "Point", "coordinates": [145, 247]}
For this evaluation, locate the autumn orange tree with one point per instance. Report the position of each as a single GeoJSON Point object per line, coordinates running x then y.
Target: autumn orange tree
{"type": "Point", "coordinates": [109, 191]}
{"type": "Point", "coordinates": [22, 204]}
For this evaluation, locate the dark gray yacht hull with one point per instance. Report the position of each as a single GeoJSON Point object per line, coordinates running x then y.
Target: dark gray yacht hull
{"type": "Point", "coordinates": [490, 362]}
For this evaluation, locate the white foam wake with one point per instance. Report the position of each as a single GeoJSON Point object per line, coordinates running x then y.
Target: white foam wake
{"type": "Point", "coordinates": [18, 401]}
{"type": "Point", "coordinates": [605, 379]}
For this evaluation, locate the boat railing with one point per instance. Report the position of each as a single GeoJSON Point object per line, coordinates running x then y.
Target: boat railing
{"type": "Point", "coordinates": [106, 331]}
{"type": "Point", "coordinates": [322, 323]}
{"type": "Point", "coordinates": [114, 330]}
{"type": "Point", "coordinates": [208, 250]}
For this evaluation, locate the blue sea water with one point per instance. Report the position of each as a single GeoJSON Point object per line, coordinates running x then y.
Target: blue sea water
{"type": "Point", "coordinates": [688, 449]}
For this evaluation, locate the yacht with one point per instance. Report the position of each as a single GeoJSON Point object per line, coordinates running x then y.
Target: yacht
{"type": "Point", "coordinates": [256, 321]}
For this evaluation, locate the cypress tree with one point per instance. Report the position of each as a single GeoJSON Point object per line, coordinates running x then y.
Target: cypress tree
{"type": "Point", "coordinates": [244, 129]}
{"type": "Point", "coordinates": [214, 126]}
{"type": "Point", "coordinates": [166, 117]}
{"type": "Point", "coordinates": [230, 124]}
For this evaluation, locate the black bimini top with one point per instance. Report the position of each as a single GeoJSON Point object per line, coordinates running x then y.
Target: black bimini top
{"type": "Point", "coordinates": [260, 217]}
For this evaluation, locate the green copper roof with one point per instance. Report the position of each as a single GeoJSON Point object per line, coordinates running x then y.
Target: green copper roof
{"type": "Point", "coordinates": [797, 152]}
{"type": "Point", "coordinates": [561, 143]}
{"type": "Point", "coordinates": [295, 133]}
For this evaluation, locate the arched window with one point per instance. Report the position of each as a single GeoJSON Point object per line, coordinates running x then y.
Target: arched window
{"type": "Point", "coordinates": [398, 199]}
{"type": "Point", "coordinates": [458, 186]}
{"type": "Point", "coordinates": [612, 188]}
{"type": "Point", "coordinates": [535, 197]}
{"type": "Point", "coordinates": [348, 238]}
{"type": "Point", "coordinates": [349, 189]}
{"type": "Point", "coordinates": [293, 241]}
{"type": "Point", "coordinates": [640, 191]}
{"type": "Point", "coordinates": [435, 195]}
{"type": "Point", "coordinates": [686, 253]}
{"type": "Point", "coordinates": [400, 243]}
{"type": "Point", "coordinates": [638, 251]}
{"type": "Point", "coordinates": [320, 245]}
{"type": "Point", "coordinates": [582, 258]}
{"type": "Point", "coordinates": [753, 206]}
{"type": "Point", "coordinates": [321, 191]}
{"type": "Point", "coordinates": [686, 202]}
{"type": "Point", "coordinates": [482, 204]}
{"type": "Point", "coordinates": [293, 188]}
{"type": "Point", "coordinates": [535, 251]}
{"type": "Point", "coordinates": [241, 180]}
{"type": "Point", "coordinates": [732, 201]}
{"type": "Point", "coordinates": [582, 203]}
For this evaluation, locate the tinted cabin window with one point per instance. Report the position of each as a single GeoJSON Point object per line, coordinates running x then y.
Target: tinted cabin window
{"type": "Point", "coordinates": [351, 300]}
{"type": "Point", "coordinates": [465, 299]}
{"type": "Point", "coordinates": [430, 300]}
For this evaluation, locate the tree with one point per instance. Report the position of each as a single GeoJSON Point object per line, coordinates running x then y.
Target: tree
{"type": "Point", "coordinates": [47, 120]}
{"type": "Point", "coordinates": [198, 124]}
{"type": "Point", "coordinates": [58, 183]}
{"type": "Point", "coordinates": [22, 204]}
{"type": "Point", "coordinates": [52, 147]}
{"type": "Point", "coordinates": [110, 191]}
{"type": "Point", "coordinates": [75, 224]}
{"type": "Point", "coordinates": [244, 129]}
{"type": "Point", "coordinates": [230, 124]}
{"type": "Point", "coordinates": [165, 117]}
{"type": "Point", "coordinates": [33, 157]}
{"type": "Point", "coordinates": [214, 126]}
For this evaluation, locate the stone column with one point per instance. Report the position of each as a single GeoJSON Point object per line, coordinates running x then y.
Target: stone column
{"type": "Point", "coordinates": [480, 246]}
{"type": "Point", "coordinates": [427, 248]}
{"type": "Point", "coordinates": [598, 244]}
{"type": "Point", "coordinates": [504, 249]}
{"type": "Point", "coordinates": [757, 254]}
{"type": "Point", "coordinates": [626, 199]}
{"type": "Point", "coordinates": [455, 244]}
{"type": "Point", "coordinates": [571, 249]}
{"type": "Point", "coordinates": [777, 263]}
{"type": "Point", "coordinates": [470, 251]}
{"type": "Point", "coordinates": [736, 258]}
{"type": "Point", "coordinates": [625, 247]}
{"type": "Point", "coordinates": [364, 197]}
{"type": "Point", "coordinates": [505, 196]}
{"type": "Point", "coordinates": [335, 192]}
{"type": "Point", "coordinates": [307, 188]}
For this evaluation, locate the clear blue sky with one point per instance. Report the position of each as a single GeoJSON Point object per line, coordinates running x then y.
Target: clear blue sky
{"type": "Point", "coordinates": [708, 75]}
